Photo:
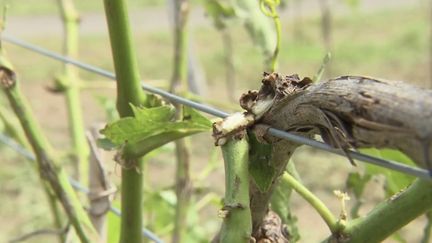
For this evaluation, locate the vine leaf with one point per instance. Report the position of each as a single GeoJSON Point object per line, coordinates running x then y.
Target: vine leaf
{"type": "Point", "coordinates": [149, 123]}
{"type": "Point", "coordinates": [219, 12]}
{"type": "Point", "coordinates": [357, 183]}
{"type": "Point", "coordinates": [395, 181]}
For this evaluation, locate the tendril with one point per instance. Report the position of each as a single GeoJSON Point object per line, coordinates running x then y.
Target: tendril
{"type": "Point", "coordinates": [268, 8]}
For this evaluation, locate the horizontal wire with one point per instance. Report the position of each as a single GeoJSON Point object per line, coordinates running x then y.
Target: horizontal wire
{"type": "Point", "coordinates": [418, 172]}
{"type": "Point", "coordinates": [74, 183]}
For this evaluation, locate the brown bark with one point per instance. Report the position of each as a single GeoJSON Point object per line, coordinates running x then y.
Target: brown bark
{"type": "Point", "coordinates": [100, 189]}
{"type": "Point", "coordinates": [348, 112]}
{"type": "Point", "coordinates": [354, 111]}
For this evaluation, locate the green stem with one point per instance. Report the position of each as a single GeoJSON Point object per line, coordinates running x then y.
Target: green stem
{"type": "Point", "coordinates": [125, 62]}
{"type": "Point", "coordinates": [321, 70]}
{"type": "Point", "coordinates": [428, 228]}
{"type": "Point", "coordinates": [55, 210]}
{"type": "Point", "coordinates": [12, 128]}
{"type": "Point", "coordinates": [70, 80]}
{"type": "Point", "coordinates": [128, 91]}
{"type": "Point", "coordinates": [179, 81]}
{"type": "Point", "coordinates": [390, 215]}
{"type": "Point", "coordinates": [49, 169]}
{"type": "Point", "coordinates": [314, 201]}
{"type": "Point", "coordinates": [183, 190]}
{"type": "Point", "coordinates": [179, 84]}
{"type": "Point", "coordinates": [237, 224]}
{"type": "Point", "coordinates": [278, 41]}
{"type": "Point", "coordinates": [280, 203]}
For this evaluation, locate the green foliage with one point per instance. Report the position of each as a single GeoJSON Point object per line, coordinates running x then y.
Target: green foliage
{"type": "Point", "coordinates": [395, 181]}
{"type": "Point", "coordinates": [280, 204]}
{"type": "Point", "coordinates": [356, 183]}
{"type": "Point", "coordinates": [150, 122]}
{"type": "Point", "coordinates": [109, 107]}
{"type": "Point", "coordinates": [219, 12]}
{"type": "Point", "coordinates": [260, 30]}
{"type": "Point", "coordinates": [113, 227]}
{"type": "Point", "coordinates": [160, 210]}
{"type": "Point", "coordinates": [260, 167]}
{"type": "Point", "coordinates": [268, 7]}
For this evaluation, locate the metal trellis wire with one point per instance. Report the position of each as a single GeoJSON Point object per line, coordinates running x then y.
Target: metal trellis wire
{"type": "Point", "coordinates": [75, 184]}
{"type": "Point", "coordinates": [418, 172]}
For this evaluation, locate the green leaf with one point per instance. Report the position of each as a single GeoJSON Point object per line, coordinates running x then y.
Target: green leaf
{"type": "Point", "coordinates": [162, 210]}
{"type": "Point", "coordinates": [153, 127]}
{"type": "Point", "coordinates": [153, 114]}
{"type": "Point", "coordinates": [280, 203]}
{"type": "Point", "coordinates": [109, 107]}
{"type": "Point", "coordinates": [260, 167]}
{"type": "Point", "coordinates": [356, 183]}
{"type": "Point", "coordinates": [105, 144]}
{"type": "Point", "coordinates": [395, 181]}
{"type": "Point", "coordinates": [190, 114]}
{"type": "Point", "coordinates": [219, 12]}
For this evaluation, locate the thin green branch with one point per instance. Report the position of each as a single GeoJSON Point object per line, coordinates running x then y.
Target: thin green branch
{"type": "Point", "coordinates": [314, 201]}
{"type": "Point", "coordinates": [179, 80]}
{"type": "Point", "coordinates": [390, 215]}
{"type": "Point", "coordinates": [237, 224]}
{"type": "Point", "coordinates": [280, 203]}
{"type": "Point", "coordinates": [124, 56]}
{"type": "Point", "coordinates": [428, 228]}
{"type": "Point", "coordinates": [48, 167]}
{"type": "Point", "coordinates": [70, 82]}
{"type": "Point", "coordinates": [12, 127]}
{"type": "Point", "coordinates": [179, 84]}
{"type": "Point", "coordinates": [183, 189]}
{"type": "Point", "coordinates": [322, 67]}
{"type": "Point", "coordinates": [128, 91]}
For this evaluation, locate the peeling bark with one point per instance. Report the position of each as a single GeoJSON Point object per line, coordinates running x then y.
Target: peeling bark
{"type": "Point", "coordinates": [358, 112]}
{"type": "Point", "coordinates": [271, 230]}
{"type": "Point", "coordinates": [349, 112]}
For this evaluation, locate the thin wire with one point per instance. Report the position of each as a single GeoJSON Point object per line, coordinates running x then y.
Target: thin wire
{"type": "Point", "coordinates": [418, 172]}
{"type": "Point", "coordinates": [110, 75]}
{"type": "Point", "coordinates": [75, 184]}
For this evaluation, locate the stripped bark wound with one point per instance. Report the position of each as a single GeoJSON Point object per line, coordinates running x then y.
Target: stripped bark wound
{"type": "Point", "coordinates": [348, 112]}
{"type": "Point", "coordinates": [354, 111]}
{"type": "Point", "coordinates": [272, 230]}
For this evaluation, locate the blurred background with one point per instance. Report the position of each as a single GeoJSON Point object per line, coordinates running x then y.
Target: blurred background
{"type": "Point", "coordinates": [389, 39]}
